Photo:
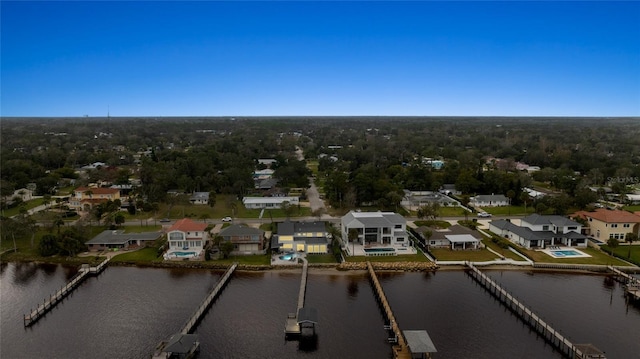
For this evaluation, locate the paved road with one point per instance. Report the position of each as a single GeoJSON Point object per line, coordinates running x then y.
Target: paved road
{"type": "Point", "coordinates": [314, 198]}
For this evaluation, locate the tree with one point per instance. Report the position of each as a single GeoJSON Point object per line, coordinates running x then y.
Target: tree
{"type": "Point", "coordinates": [226, 247]}
{"type": "Point", "coordinates": [630, 238]}
{"type": "Point", "coordinates": [287, 208]}
{"type": "Point", "coordinates": [119, 219]}
{"type": "Point", "coordinates": [431, 211]}
{"type": "Point", "coordinates": [612, 243]}
{"type": "Point", "coordinates": [48, 245]}
{"type": "Point", "coordinates": [353, 237]}
{"type": "Point", "coordinates": [212, 199]}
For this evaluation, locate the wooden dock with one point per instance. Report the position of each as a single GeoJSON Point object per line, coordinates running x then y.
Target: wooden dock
{"type": "Point", "coordinates": [401, 349]}
{"type": "Point", "coordinates": [292, 324]}
{"type": "Point", "coordinates": [632, 284]}
{"type": "Point", "coordinates": [195, 318]}
{"type": "Point", "coordinates": [55, 298]}
{"type": "Point", "coordinates": [564, 345]}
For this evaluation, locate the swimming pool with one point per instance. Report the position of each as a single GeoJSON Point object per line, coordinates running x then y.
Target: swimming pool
{"type": "Point", "coordinates": [184, 254]}
{"type": "Point", "coordinates": [287, 257]}
{"type": "Point", "coordinates": [566, 253]}
{"type": "Point", "coordinates": [380, 251]}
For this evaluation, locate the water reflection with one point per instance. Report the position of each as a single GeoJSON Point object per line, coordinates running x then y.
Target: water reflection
{"type": "Point", "coordinates": [352, 287]}
{"type": "Point", "coordinates": [24, 273]}
{"type": "Point", "coordinates": [308, 343]}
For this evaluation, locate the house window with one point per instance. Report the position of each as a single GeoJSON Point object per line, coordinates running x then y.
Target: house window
{"type": "Point", "coordinates": [626, 225]}
{"type": "Point", "coordinates": [614, 225]}
{"type": "Point", "coordinates": [545, 228]}
{"type": "Point", "coordinates": [433, 243]}
{"type": "Point", "coordinates": [398, 226]}
{"type": "Point", "coordinates": [400, 239]}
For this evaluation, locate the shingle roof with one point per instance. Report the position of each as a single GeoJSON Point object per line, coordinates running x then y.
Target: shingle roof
{"type": "Point", "coordinates": [558, 221]}
{"type": "Point", "coordinates": [240, 230]}
{"type": "Point", "coordinates": [188, 225]}
{"type": "Point", "coordinates": [611, 216]}
{"type": "Point", "coordinates": [97, 190]}
{"type": "Point", "coordinates": [119, 237]}
{"type": "Point", "coordinates": [373, 219]}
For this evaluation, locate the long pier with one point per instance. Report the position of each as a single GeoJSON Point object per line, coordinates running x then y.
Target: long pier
{"type": "Point", "coordinates": [401, 349]}
{"type": "Point", "coordinates": [55, 298]}
{"type": "Point", "coordinates": [197, 315]}
{"type": "Point", "coordinates": [564, 345]}
{"type": "Point", "coordinates": [292, 324]}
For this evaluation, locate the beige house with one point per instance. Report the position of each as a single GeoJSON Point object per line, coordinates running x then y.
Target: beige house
{"type": "Point", "coordinates": [84, 198]}
{"type": "Point", "coordinates": [605, 224]}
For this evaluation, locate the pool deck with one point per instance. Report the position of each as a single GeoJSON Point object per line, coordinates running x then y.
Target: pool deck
{"type": "Point", "coordinates": [549, 251]}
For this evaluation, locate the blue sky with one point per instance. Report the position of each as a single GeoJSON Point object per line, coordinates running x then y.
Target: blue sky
{"type": "Point", "coordinates": [208, 58]}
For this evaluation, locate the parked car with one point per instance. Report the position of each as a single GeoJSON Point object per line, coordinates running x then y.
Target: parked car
{"type": "Point", "coordinates": [484, 215]}
{"type": "Point", "coordinates": [227, 219]}
{"type": "Point", "coordinates": [165, 220]}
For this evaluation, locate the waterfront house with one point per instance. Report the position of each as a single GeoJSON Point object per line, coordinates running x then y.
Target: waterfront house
{"type": "Point", "coordinates": [84, 198]}
{"type": "Point", "coordinates": [308, 237]}
{"type": "Point", "coordinates": [118, 239]}
{"type": "Point", "coordinates": [186, 238]}
{"type": "Point", "coordinates": [246, 240]}
{"type": "Point", "coordinates": [540, 231]}
{"type": "Point", "coordinates": [604, 224]}
{"type": "Point", "coordinates": [375, 228]}
{"type": "Point", "coordinates": [454, 237]}
{"type": "Point", "coordinates": [489, 200]}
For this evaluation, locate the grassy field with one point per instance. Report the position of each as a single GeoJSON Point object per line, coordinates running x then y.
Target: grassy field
{"type": "Point", "coordinates": [144, 255]}
{"type": "Point", "coordinates": [321, 258]}
{"type": "Point", "coordinates": [597, 257]}
{"type": "Point", "coordinates": [629, 253]}
{"type": "Point", "coordinates": [247, 260]}
{"type": "Point", "coordinates": [399, 258]}
{"type": "Point", "coordinates": [446, 254]}
{"type": "Point", "coordinates": [27, 205]}
{"type": "Point", "coordinates": [510, 210]}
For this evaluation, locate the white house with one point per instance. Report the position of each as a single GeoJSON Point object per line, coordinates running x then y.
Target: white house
{"type": "Point", "coordinates": [186, 239]}
{"type": "Point", "coordinates": [489, 200]}
{"type": "Point", "coordinates": [375, 228]}
{"type": "Point", "coordinates": [268, 202]}
{"type": "Point", "coordinates": [199, 198]}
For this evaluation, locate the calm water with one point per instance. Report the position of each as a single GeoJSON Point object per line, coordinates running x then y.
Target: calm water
{"type": "Point", "coordinates": [125, 312]}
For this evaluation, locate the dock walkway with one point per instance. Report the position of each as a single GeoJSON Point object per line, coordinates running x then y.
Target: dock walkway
{"type": "Point", "coordinates": [56, 297]}
{"type": "Point", "coordinates": [632, 284]}
{"type": "Point", "coordinates": [197, 315]}
{"type": "Point", "coordinates": [292, 324]}
{"type": "Point", "coordinates": [401, 349]}
{"type": "Point", "coordinates": [564, 345]}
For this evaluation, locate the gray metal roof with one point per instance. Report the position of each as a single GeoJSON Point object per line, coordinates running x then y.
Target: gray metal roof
{"type": "Point", "coordinates": [419, 341]}
{"type": "Point", "coordinates": [119, 237]}
{"type": "Point", "coordinates": [461, 238]}
{"type": "Point", "coordinates": [558, 221]}
{"type": "Point", "coordinates": [240, 230]}
{"type": "Point", "coordinates": [307, 315]}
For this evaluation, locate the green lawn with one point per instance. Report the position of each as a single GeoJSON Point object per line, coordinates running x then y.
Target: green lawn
{"type": "Point", "coordinates": [624, 252]}
{"type": "Point", "coordinates": [27, 205]}
{"type": "Point", "coordinates": [632, 208]}
{"type": "Point", "coordinates": [436, 223]}
{"type": "Point", "coordinates": [504, 251]}
{"type": "Point", "coordinates": [321, 258]}
{"type": "Point", "coordinates": [510, 210]}
{"type": "Point", "coordinates": [401, 258]}
{"type": "Point", "coordinates": [246, 260]}
{"type": "Point", "coordinates": [446, 254]}
{"type": "Point", "coordinates": [143, 255]}
{"type": "Point", "coordinates": [597, 257]}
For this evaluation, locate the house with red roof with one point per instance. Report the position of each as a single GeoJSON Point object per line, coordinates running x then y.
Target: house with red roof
{"type": "Point", "coordinates": [186, 239]}
{"type": "Point", "coordinates": [605, 224]}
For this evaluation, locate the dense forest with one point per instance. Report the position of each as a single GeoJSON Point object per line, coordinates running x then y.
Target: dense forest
{"type": "Point", "coordinates": [361, 159]}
